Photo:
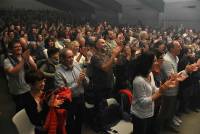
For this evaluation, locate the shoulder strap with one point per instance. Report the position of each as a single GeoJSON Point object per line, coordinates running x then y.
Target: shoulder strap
{"type": "Point", "coordinates": [12, 60]}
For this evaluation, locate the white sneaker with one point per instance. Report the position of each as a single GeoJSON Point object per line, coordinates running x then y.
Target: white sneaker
{"type": "Point", "coordinates": [176, 123]}
{"type": "Point", "coordinates": [178, 119]}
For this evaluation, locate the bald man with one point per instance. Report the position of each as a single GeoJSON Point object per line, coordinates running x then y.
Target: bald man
{"type": "Point", "coordinates": [24, 43]}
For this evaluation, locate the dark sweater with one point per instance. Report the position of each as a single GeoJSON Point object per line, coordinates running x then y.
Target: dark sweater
{"type": "Point", "coordinates": [37, 118]}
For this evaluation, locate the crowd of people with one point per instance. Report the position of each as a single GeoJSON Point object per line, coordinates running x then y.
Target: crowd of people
{"type": "Point", "coordinates": [159, 67]}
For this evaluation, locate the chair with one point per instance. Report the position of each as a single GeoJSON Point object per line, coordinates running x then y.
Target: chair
{"type": "Point", "coordinates": [23, 123]}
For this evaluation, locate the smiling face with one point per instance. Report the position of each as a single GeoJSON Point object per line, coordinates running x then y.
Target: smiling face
{"type": "Point", "coordinates": [100, 44]}
{"type": "Point", "coordinates": [69, 58]}
{"type": "Point", "coordinates": [75, 47]}
{"type": "Point", "coordinates": [39, 85]}
{"type": "Point", "coordinates": [17, 49]}
{"type": "Point", "coordinates": [190, 53]}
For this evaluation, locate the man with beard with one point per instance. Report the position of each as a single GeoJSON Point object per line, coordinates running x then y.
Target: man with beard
{"type": "Point", "coordinates": [110, 39]}
{"type": "Point", "coordinates": [100, 72]}
{"type": "Point", "coordinates": [69, 74]}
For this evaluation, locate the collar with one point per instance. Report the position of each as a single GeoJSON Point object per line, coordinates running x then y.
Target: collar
{"type": "Point", "coordinates": [65, 67]}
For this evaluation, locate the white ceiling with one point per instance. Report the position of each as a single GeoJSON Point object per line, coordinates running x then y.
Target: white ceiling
{"type": "Point", "coordinates": [167, 1]}
{"type": "Point", "coordinates": [128, 2]}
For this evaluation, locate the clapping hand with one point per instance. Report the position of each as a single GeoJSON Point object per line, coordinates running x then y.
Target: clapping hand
{"type": "Point", "coordinates": [181, 77]}
{"type": "Point", "coordinates": [116, 51]}
{"type": "Point", "coordinates": [198, 63]}
{"type": "Point", "coordinates": [55, 101]}
{"type": "Point", "coordinates": [178, 76]}
{"type": "Point", "coordinates": [170, 83]}
{"type": "Point", "coordinates": [191, 68]}
{"type": "Point", "coordinates": [26, 55]}
{"type": "Point", "coordinates": [173, 76]}
{"type": "Point", "coordinates": [81, 77]}
{"type": "Point", "coordinates": [195, 67]}
{"type": "Point", "coordinates": [84, 51]}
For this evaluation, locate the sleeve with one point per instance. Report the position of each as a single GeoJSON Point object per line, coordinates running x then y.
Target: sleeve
{"type": "Point", "coordinates": [87, 80]}
{"type": "Point", "coordinates": [45, 53]}
{"type": "Point", "coordinates": [43, 69]}
{"type": "Point", "coordinates": [182, 64]}
{"type": "Point", "coordinates": [153, 84]}
{"type": "Point", "coordinates": [73, 86]}
{"type": "Point", "coordinates": [155, 88]}
{"type": "Point", "coordinates": [59, 81]}
{"type": "Point", "coordinates": [31, 110]}
{"type": "Point", "coordinates": [7, 64]}
{"type": "Point", "coordinates": [139, 93]}
{"type": "Point", "coordinates": [183, 72]}
{"type": "Point", "coordinates": [97, 62]}
{"type": "Point", "coordinates": [167, 69]}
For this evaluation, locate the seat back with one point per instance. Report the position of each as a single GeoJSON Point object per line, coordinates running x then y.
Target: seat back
{"type": "Point", "coordinates": [23, 123]}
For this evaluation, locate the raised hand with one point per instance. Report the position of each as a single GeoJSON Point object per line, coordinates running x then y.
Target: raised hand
{"type": "Point", "coordinates": [116, 51]}
{"type": "Point", "coordinates": [81, 77]}
{"type": "Point", "coordinates": [191, 68]}
{"type": "Point", "coordinates": [26, 55]}
{"type": "Point", "coordinates": [198, 63]}
{"type": "Point", "coordinates": [194, 67]}
{"type": "Point", "coordinates": [84, 51]}
{"type": "Point", "coordinates": [173, 76]}
{"type": "Point", "coordinates": [181, 77]}
{"type": "Point", "coordinates": [169, 84]}
{"type": "Point", "coordinates": [55, 101]}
